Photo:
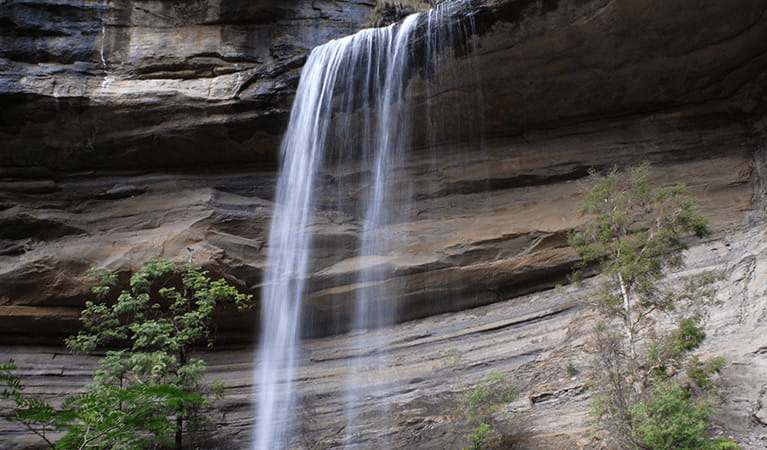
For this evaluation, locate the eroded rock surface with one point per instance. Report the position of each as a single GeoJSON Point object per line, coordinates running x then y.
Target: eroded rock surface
{"type": "Point", "coordinates": [153, 83]}
{"type": "Point", "coordinates": [150, 83]}
{"type": "Point", "coordinates": [419, 370]}
{"type": "Point", "coordinates": [131, 129]}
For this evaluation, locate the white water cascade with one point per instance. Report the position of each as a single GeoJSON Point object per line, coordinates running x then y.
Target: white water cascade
{"type": "Point", "coordinates": [289, 245]}
{"type": "Point", "coordinates": [352, 108]}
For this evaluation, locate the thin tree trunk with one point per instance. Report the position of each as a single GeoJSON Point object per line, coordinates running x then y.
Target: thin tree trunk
{"type": "Point", "coordinates": [179, 428]}
{"type": "Point", "coordinates": [183, 359]}
{"type": "Point", "coordinates": [627, 322]}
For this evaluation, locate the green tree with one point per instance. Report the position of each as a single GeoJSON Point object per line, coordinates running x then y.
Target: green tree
{"type": "Point", "coordinates": [634, 231]}
{"type": "Point", "coordinates": [148, 389]}
{"type": "Point", "coordinates": [641, 397]}
{"type": "Point", "coordinates": [148, 375]}
{"type": "Point", "coordinates": [671, 417]}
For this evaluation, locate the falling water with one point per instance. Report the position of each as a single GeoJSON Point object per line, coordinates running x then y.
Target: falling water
{"type": "Point", "coordinates": [353, 108]}
{"type": "Point", "coordinates": [289, 243]}
{"type": "Point", "coordinates": [108, 79]}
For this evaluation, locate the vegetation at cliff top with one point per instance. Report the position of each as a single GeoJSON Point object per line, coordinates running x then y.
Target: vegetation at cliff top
{"type": "Point", "coordinates": [148, 390]}
{"type": "Point", "coordinates": [389, 11]}
{"type": "Point", "coordinates": [648, 392]}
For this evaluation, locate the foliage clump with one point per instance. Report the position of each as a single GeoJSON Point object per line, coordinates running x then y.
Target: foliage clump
{"type": "Point", "coordinates": [633, 233]}
{"type": "Point", "coordinates": [480, 402]}
{"type": "Point", "coordinates": [148, 389]}
{"type": "Point", "coordinates": [643, 396]}
{"type": "Point", "coordinates": [37, 416]}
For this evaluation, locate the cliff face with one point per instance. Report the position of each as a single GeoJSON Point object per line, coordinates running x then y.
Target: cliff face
{"type": "Point", "coordinates": [148, 84]}
{"type": "Point", "coordinates": [135, 128]}
{"type": "Point", "coordinates": [130, 84]}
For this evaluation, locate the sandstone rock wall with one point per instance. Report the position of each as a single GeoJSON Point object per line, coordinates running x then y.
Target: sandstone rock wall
{"type": "Point", "coordinates": [137, 128]}
{"type": "Point", "coordinates": [538, 341]}
{"type": "Point", "coordinates": [127, 84]}
{"type": "Point", "coordinates": [147, 84]}
{"type": "Point", "coordinates": [185, 87]}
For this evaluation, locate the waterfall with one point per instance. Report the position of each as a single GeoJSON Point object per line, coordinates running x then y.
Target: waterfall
{"type": "Point", "coordinates": [289, 241]}
{"type": "Point", "coordinates": [349, 129]}
{"type": "Point", "coordinates": [108, 79]}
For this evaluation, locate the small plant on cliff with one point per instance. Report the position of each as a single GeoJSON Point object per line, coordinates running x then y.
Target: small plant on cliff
{"type": "Point", "coordinates": [453, 358]}
{"type": "Point", "coordinates": [480, 403]}
{"type": "Point", "coordinates": [148, 388]}
{"type": "Point", "coordinates": [642, 399]}
{"type": "Point", "coordinates": [666, 401]}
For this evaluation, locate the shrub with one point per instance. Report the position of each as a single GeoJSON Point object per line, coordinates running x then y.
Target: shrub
{"type": "Point", "coordinates": [480, 402]}
{"type": "Point", "coordinates": [479, 435]}
{"type": "Point", "coordinates": [669, 418]}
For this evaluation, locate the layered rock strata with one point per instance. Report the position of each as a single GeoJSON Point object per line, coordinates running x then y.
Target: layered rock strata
{"type": "Point", "coordinates": [540, 342]}
{"type": "Point", "coordinates": [115, 85]}
{"type": "Point", "coordinates": [131, 129]}
{"type": "Point", "coordinates": [560, 87]}
{"type": "Point", "coordinates": [147, 84]}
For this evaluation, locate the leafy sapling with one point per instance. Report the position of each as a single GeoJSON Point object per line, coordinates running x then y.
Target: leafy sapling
{"type": "Point", "coordinates": [148, 389]}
